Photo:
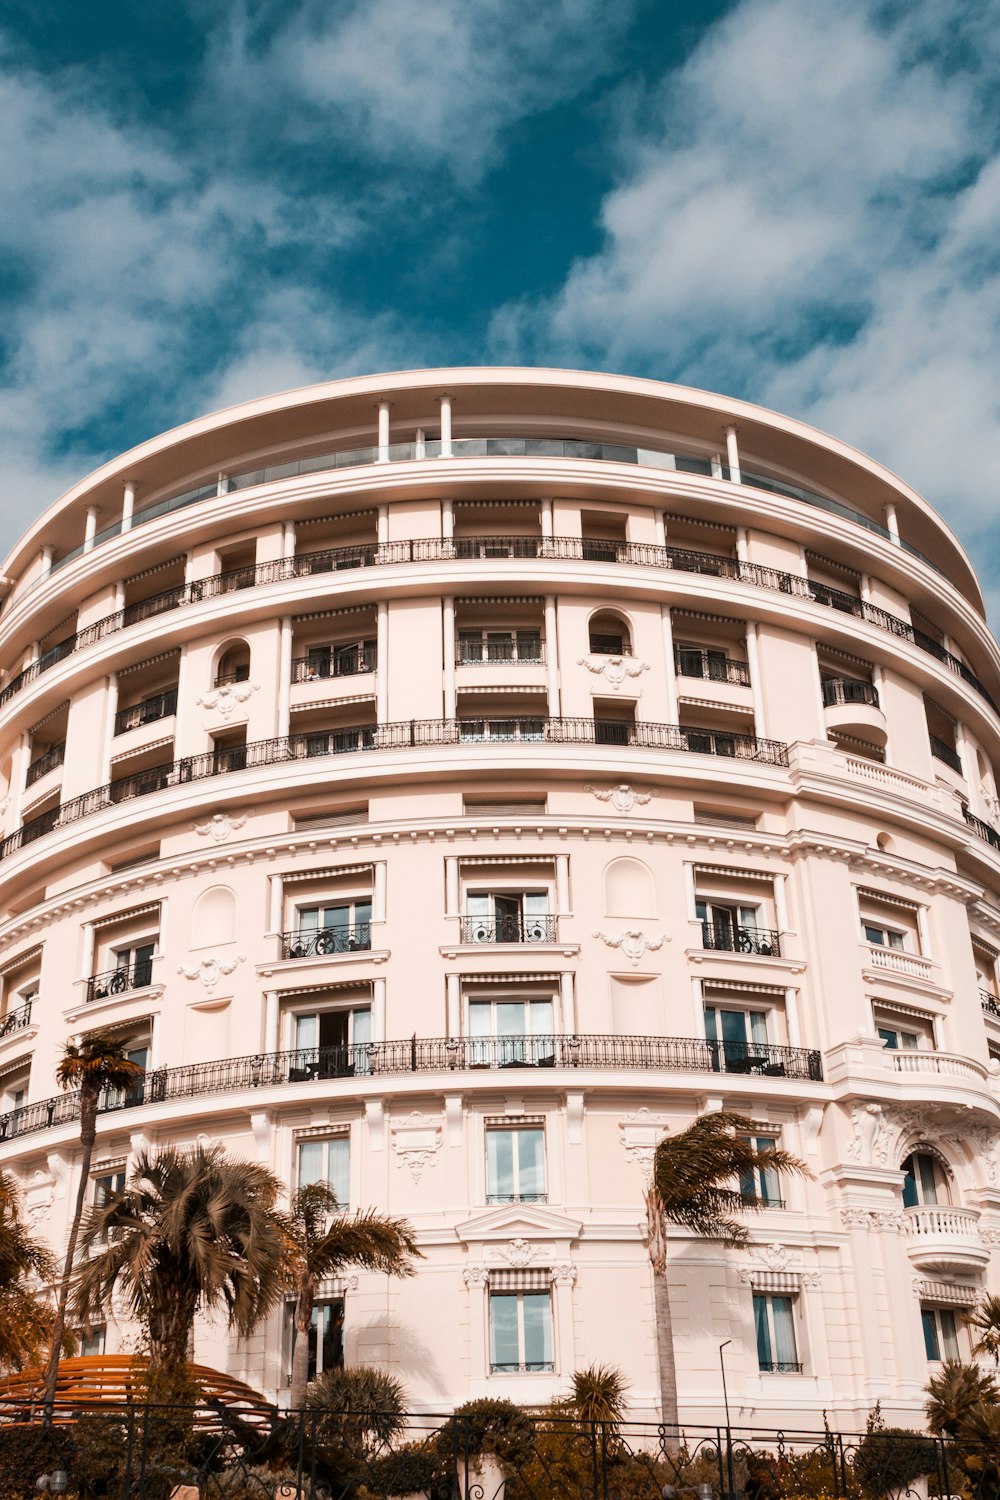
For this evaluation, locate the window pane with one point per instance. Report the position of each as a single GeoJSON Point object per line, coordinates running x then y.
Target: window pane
{"type": "Point", "coordinates": [889, 1038]}
{"type": "Point", "coordinates": [480, 1018]}
{"type": "Point", "coordinates": [758, 1026]}
{"type": "Point", "coordinates": [949, 1333]}
{"type": "Point", "coordinates": [542, 1022]}
{"type": "Point", "coordinates": [503, 1331]}
{"type": "Point", "coordinates": [530, 1162]}
{"type": "Point", "coordinates": [928, 1179]}
{"type": "Point", "coordinates": [931, 1346]}
{"type": "Point", "coordinates": [361, 1027]}
{"type": "Point", "coordinates": [784, 1330]}
{"type": "Point", "coordinates": [910, 1198]}
{"type": "Point", "coordinates": [310, 1162]}
{"type": "Point", "coordinates": [734, 1025]}
{"type": "Point", "coordinates": [339, 1176]}
{"type": "Point", "coordinates": [306, 1032]}
{"type": "Point", "coordinates": [537, 1329]}
{"type": "Point", "coordinates": [510, 1018]}
{"type": "Point", "coordinates": [711, 1026]}
{"type": "Point", "coordinates": [763, 1331]}
{"type": "Point", "coordinates": [308, 918]}
{"type": "Point", "coordinates": [500, 1162]}
{"type": "Point", "coordinates": [875, 935]}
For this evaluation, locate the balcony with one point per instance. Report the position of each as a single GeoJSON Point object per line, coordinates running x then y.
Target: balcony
{"type": "Point", "coordinates": [119, 981]}
{"type": "Point", "coordinates": [15, 1020]}
{"type": "Point", "coordinates": [324, 941]}
{"type": "Point", "coordinates": [510, 927]}
{"type": "Point", "coordinates": [495, 1198]}
{"type": "Point", "coordinates": [149, 711]}
{"type": "Point", "coordinates": [763, 941]}
{"type": "Point", "coordinates": [939, 1065]}
{"type": "Point", "coordinates": [533, 1367]}
{"type": "Point", "coordinates": [984, 831]}
{"type": "Point", "coordinates": [895, 961]}
{"type": "Point", "coordinates": [712, 666]}
{"type": "Point", "coordinates": [45, 763]}
{"type": "Point", "coordinates": [945, 1239]}
{"type": "Point", "coordinates": [780, 1367]}
{"type": "Point", "coordinates": [598, 1051]}
{"type": "Point", "coordinates": [346, 662]}
{"type": "Point", "coordinates": [990, 1004]}
{"type": "Point", "coordinates": [852, 707]}
{"type": "Point", "coordinates": [415, 733]}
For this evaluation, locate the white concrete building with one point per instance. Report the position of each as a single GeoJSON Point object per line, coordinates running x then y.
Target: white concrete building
{"type": "Point", "coordinates": [449, 781]}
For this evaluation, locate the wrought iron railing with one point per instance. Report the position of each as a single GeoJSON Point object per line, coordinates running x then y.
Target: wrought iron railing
{"type": "Point", "coordinates": [440, 549]}
{"type": "Point", "coordinates": [227, 679]}
{"type": "Point", "coordinates": [838, 690]}
{"type": "Point", "coordinates": [708, 665]}
{"type": "Point", "coordinates": [119, 981]}
{"type": "Point", "coordinates": [944, 752]}
{"type": "Point", "coordinates": [408, 733]}
{"type": "Point", "coordinates": [990, 1003]}
{"type": "Point", "coordinates": [499, 654]}
{"type": "Point", "coordinates": [159, 706]}
{"type": "Point", "coordinates": [732, 938]}
{"type": "Point", "coordinates": [45, 763]}
{"type": "Point", "coordinates": [982, 830]}
{"type": "Point", "coordinates": [414, 1054]}
{"type": "Point", "coordinates": [16, 1020]}
{"type": "Point", "coordinates": [321, 941]}
{"type": "Point", "coordinates": [517, 1197]}
{"type": "Point", "coordinates": [780, 1366]}
{"type": "Point", "coordinates": [342, 663]}
{"type": "Point", "coordinates": [510, 927]}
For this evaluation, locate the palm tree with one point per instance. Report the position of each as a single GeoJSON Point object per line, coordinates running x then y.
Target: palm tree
{"type": "Point", "coordinates": [321, 1243]}
{"type": "Point", "coordinates": [25, 1320]}
{"type": "Point", "coordinates": [93, 1065]}
{"type": "Point", "coordinates": [985, 1319]}
{"type": "Point", "coordinates": [953, 1392]}
{"type": "Point", "coordinates": [193, 1229]}
{"type": "Point", "coordinates": [598, 1395]}
{"type": "Point", "coordinates": [693, 1186]}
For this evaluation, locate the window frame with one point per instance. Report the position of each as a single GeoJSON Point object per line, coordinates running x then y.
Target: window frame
{"type": "Point", "coordinates": [523, 1366]}
{"type": "Point", "coordinates": [773, 1337]}
{"type": "Point", "coordinates": [340, 1178]}
{"type": "Point", "coordinates": [495, 1194]}
{"type": "Point", "coordinates": [945, 1334]}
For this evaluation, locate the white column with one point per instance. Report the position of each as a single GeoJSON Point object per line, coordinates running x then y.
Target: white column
{"type": "Point", "coordinates": [284, 702]}
{"type": "Point", "coordinates": [128, 505]}
{"type": "Point", "coordinates": [188, 569]}
{"type": "Point", "coordinates": [669, 665]}
{"type": "Point", "coordinates": [90, 530]}
{"type": "Point", "coordinates": [966, 755]}
{"type": "Point", "coordinates": [271, 1040]}
{"type": "Point", "coordinates": [756, 685]}
{"type": "Point", "coordinates": [87, 956]}
{"type": "Point", "coordinates": [567, 1002]}
{"type": "Point", "coordinates": [454, 1017]}
{"type": "Point", "coordinates": [378, 1010]}
{"type": "Point", "coordinates": [733, 455]}
{"type": "Point", "coordinates": [222, 485]}
{"type": "Point", "coordinates": [18, 771]}
{"type": "Point", "coordinates": [781, 902]}
{"type": "Point", "coordinates": [562, 885]}
{"type": "Point", "coordinates": [447, 519]}
{"type": "Point", "coordinates": [891, 523]}
{"type": "Point", "coordinates": [181, 720]}
{"type": "Point", "coordinates": [110, 710]}
{"type": "Point", "coordinates": [451, 906]}
{"type": "Point", "coordinates": [383, 432]}
{"type": "Point", "coordinates": [552, 655]}
{"type": "Point", "coordinates": [382, 662]}
{"type": "Point", "coordinates": [450, 695]}
{"type": "Point", "coordinates": [288, 540]}
{"type": "Point", "coordinates": [378, 892]}
{"type": "Point", "coordinates": [545, 517]}
{"type": "Point", "coordinates": [45, 557]}
{"type": "Point", "coordinates": [820, 705]}
{"type": "Point", "coordinates": [661, 528]}
{"type": "Point", "coordinates": [275, 903]}
{"type": "Point", "coordinates": [689, 891]}
{"type": "Point", "coordinates": [382, 532]}
{"type": "Point", "coordinates": [742, 545]}
{"type": "Point", "coordinates": [923, 931]}
{"type": "Point", "coordinates": [446, 427]}
{"type": "Point", "coordinates": [792, 1018]}
{"type": "Point", "coordinates": [698, 1006]}
{"type": "Point", "coordinates": [420, 446]}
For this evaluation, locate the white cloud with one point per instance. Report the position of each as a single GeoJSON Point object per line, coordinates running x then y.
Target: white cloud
{"type": "Point", "coordinates": [789, 224]}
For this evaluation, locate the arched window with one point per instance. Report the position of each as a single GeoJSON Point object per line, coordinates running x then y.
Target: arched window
{"type": "Point", "coordinates": [610, 634]}
{"type": "Point", "coordinates": [629, 889]}
{"type": "Point", "coordinates": [924, 1180]}
{"type": "Point", "coordinates": [233, 663]}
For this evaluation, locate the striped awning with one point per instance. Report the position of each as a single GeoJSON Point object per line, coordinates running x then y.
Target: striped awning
{"type": "Point", "coordinates": [527, 1279]}
{"type": "Point", "coordinates": [776, 1281]}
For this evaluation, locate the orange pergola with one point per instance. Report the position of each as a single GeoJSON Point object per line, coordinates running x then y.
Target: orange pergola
{"type": "Point", "coordinates": [103, 1382]}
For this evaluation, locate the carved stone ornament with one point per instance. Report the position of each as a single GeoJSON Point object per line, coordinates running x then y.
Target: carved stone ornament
{"type": "Point", "coordinates": [564, 1272]}
{"type": "Point", "coordinates": [871, 1135]}
{"type": "Point", "coordinates": [632, 942]}
{"type": "Point", "coordinates": [614, 669]}
{"type": "Point", "coordinates": [640, 1133]}
{"type": "Point", "coordinates": [211, 970]}
{"type": "Point", "coordinates": [226, 699]}
{"type": "Point", "coordinates": [622, 797]}
{"type": "Point", "coordinates": [220, 825]}
{"type": "Point", "coordinates": [416, 1142]}
{"type": "Point", "coordinates": [475, 1275]}
{"type": "Point", "coordinates": [873, 1220]}
{"type": "Point", "coordinates": [520, 1253]}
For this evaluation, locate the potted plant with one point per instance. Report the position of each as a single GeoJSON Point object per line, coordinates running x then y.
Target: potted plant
{"type": "Point", "coordinates": [488, 1440]}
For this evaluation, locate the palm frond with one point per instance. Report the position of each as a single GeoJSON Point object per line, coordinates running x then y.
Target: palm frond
{"type": "Point", "coordinates": [96, 1063]}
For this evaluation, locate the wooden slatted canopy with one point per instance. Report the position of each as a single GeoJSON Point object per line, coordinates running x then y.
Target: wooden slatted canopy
{"type": "Point", "coordinates": [103, 1382]}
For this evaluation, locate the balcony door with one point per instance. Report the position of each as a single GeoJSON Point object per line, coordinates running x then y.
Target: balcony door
{"type": "Point", "coordinates": [510, 1033]}
{"type": "Point", "coordinates": [332, 1043]}
{"type": "Point", "coordinates": [737, 1038]}
{"type": "Point", "coordinates": [724, 926]}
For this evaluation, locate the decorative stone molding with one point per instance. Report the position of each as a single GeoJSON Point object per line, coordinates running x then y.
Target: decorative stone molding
{"type": "Point", "coordinates": [632, 942]}
{"type": "Point", "coordinates": [226, 699]}
{"type": "Point", "coordinates": [475, 1276]}
{"type": "Point", "coordinates": [623, 798]}
{"type": "Point", "coordinates": [871, 1134]}
{"type": "Point", "coordinates": [564, 1272]}
{"type": "Point", "coordinates": [520, 1253]}
{"type": "Point", "coordinates": [640, 1133]}
{"type": "Point", "coordinates": [872, 1219]}
{"type": "Point", "coordinates": [211, 970]}
{"type": "Point", "coordinates": [416, 1142]}
{"type": "Point", "coordinates": [614, 669]}
{"type": "Point", "coordinates": [220, 825]}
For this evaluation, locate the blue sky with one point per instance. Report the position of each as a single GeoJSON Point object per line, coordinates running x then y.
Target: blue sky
{"type": "Point", "coordinates": [794, 201]}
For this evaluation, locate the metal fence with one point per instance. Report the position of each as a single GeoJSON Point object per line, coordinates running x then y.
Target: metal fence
{"type": "Point", "coordinates": [142, 1452]}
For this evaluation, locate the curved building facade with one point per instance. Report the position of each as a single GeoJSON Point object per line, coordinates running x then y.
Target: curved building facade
{"type": "Point", "coordinates": [447, 783]}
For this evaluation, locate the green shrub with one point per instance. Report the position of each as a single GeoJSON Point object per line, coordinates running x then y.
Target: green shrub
{"type": "Point", "coordinates": [488, 1426]}
{"type": "Point", "coordinates": [890, 1458]}
{"type": "Point", "coordinates": [407, 1471]}
{"type": "Point", "coordinates": [361, 1406]}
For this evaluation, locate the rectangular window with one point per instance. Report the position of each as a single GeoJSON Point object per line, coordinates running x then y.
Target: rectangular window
{"type": "Point", "coordinates": [341, 928]}
{"type": "Point", "coordinates": [329, 1161]}
{"type": "Point", "coordinates": [326, 1337]}
{"type": "Point", "coordinates": [508, 917]}
{"type": "Point", "coordinates": [739, 1040]}
{"type": "Point", "coordinates": [92, 1340]}
{"type": "Point", "coordinates": [331, 1044]}
{"type": "Point", "coordinates": [774, 1320]}
{"type": "Point", "coordinates": [106, 1187]}
{"type": "Point", "coordinates": [762, 1182]}
{"type": "Point", "coordinates": [520, 1332]}
{"type": "Point", "coordinates": [476, 646]}
{"type": "Point", "coordinates": [515, 1165]}
{"type": "Point", "coordinates": [940, 1333]}
{"type": "Point", "coordinates": [884, 937]}
{"type": "Point", "coordinates": [507, 1032]}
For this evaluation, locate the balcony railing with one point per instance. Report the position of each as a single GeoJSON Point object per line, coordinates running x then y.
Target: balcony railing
{"type": "Point", "coordinates": [984, 831]}
{"type": "Point", "coordinates": [944, 752]}
{"type": "Point", "coordinates": [342, 664]}
{"type": "Point", "coordinates": [493, 1198]}
{"type": "Point", "coordinates": [420, 1055]}
{"type": "Point", "coordinates": [119, 981]}
{"type": "Point", "coordinates": [843, 690]}
{"type": "Point", "coordinates": [532, 1367]}
{"type": "Point", "coordinates": [780, 1367]}
{"type": "Point", "coordinates": [16, 1020]}
{"type": "Point", "coordinates": [322, 941]}
{"type": "Point", "coordinates": [990, 1003]}
{"type": "Point", "coordinates": [510, 928]}
{"type": "Point", "coordinates": [764, 1059]}
{"type": "Point", "coordinates": [759, 1202]}
{"type": "Point", "coordinates": [764, 941]}
{"type": "Point", "coordinates": [160, 706]}
{"type": "Point", "coordinates": [228, 679]}
{"type": "Point", "coordinates": [499, 654]}
{"type": "Point", "coordinates": [942, 1219]}
{"type": "Point", "coordinates": [439, 549]}
{"type": "Point", "coordinates": [707, 665]}
{"type": "Point", "coordinates": [45, 763]}
{"type": "Point", "coordinates": [938, 1064]}
{"type": "Point", "coordinates": [415, 733]}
